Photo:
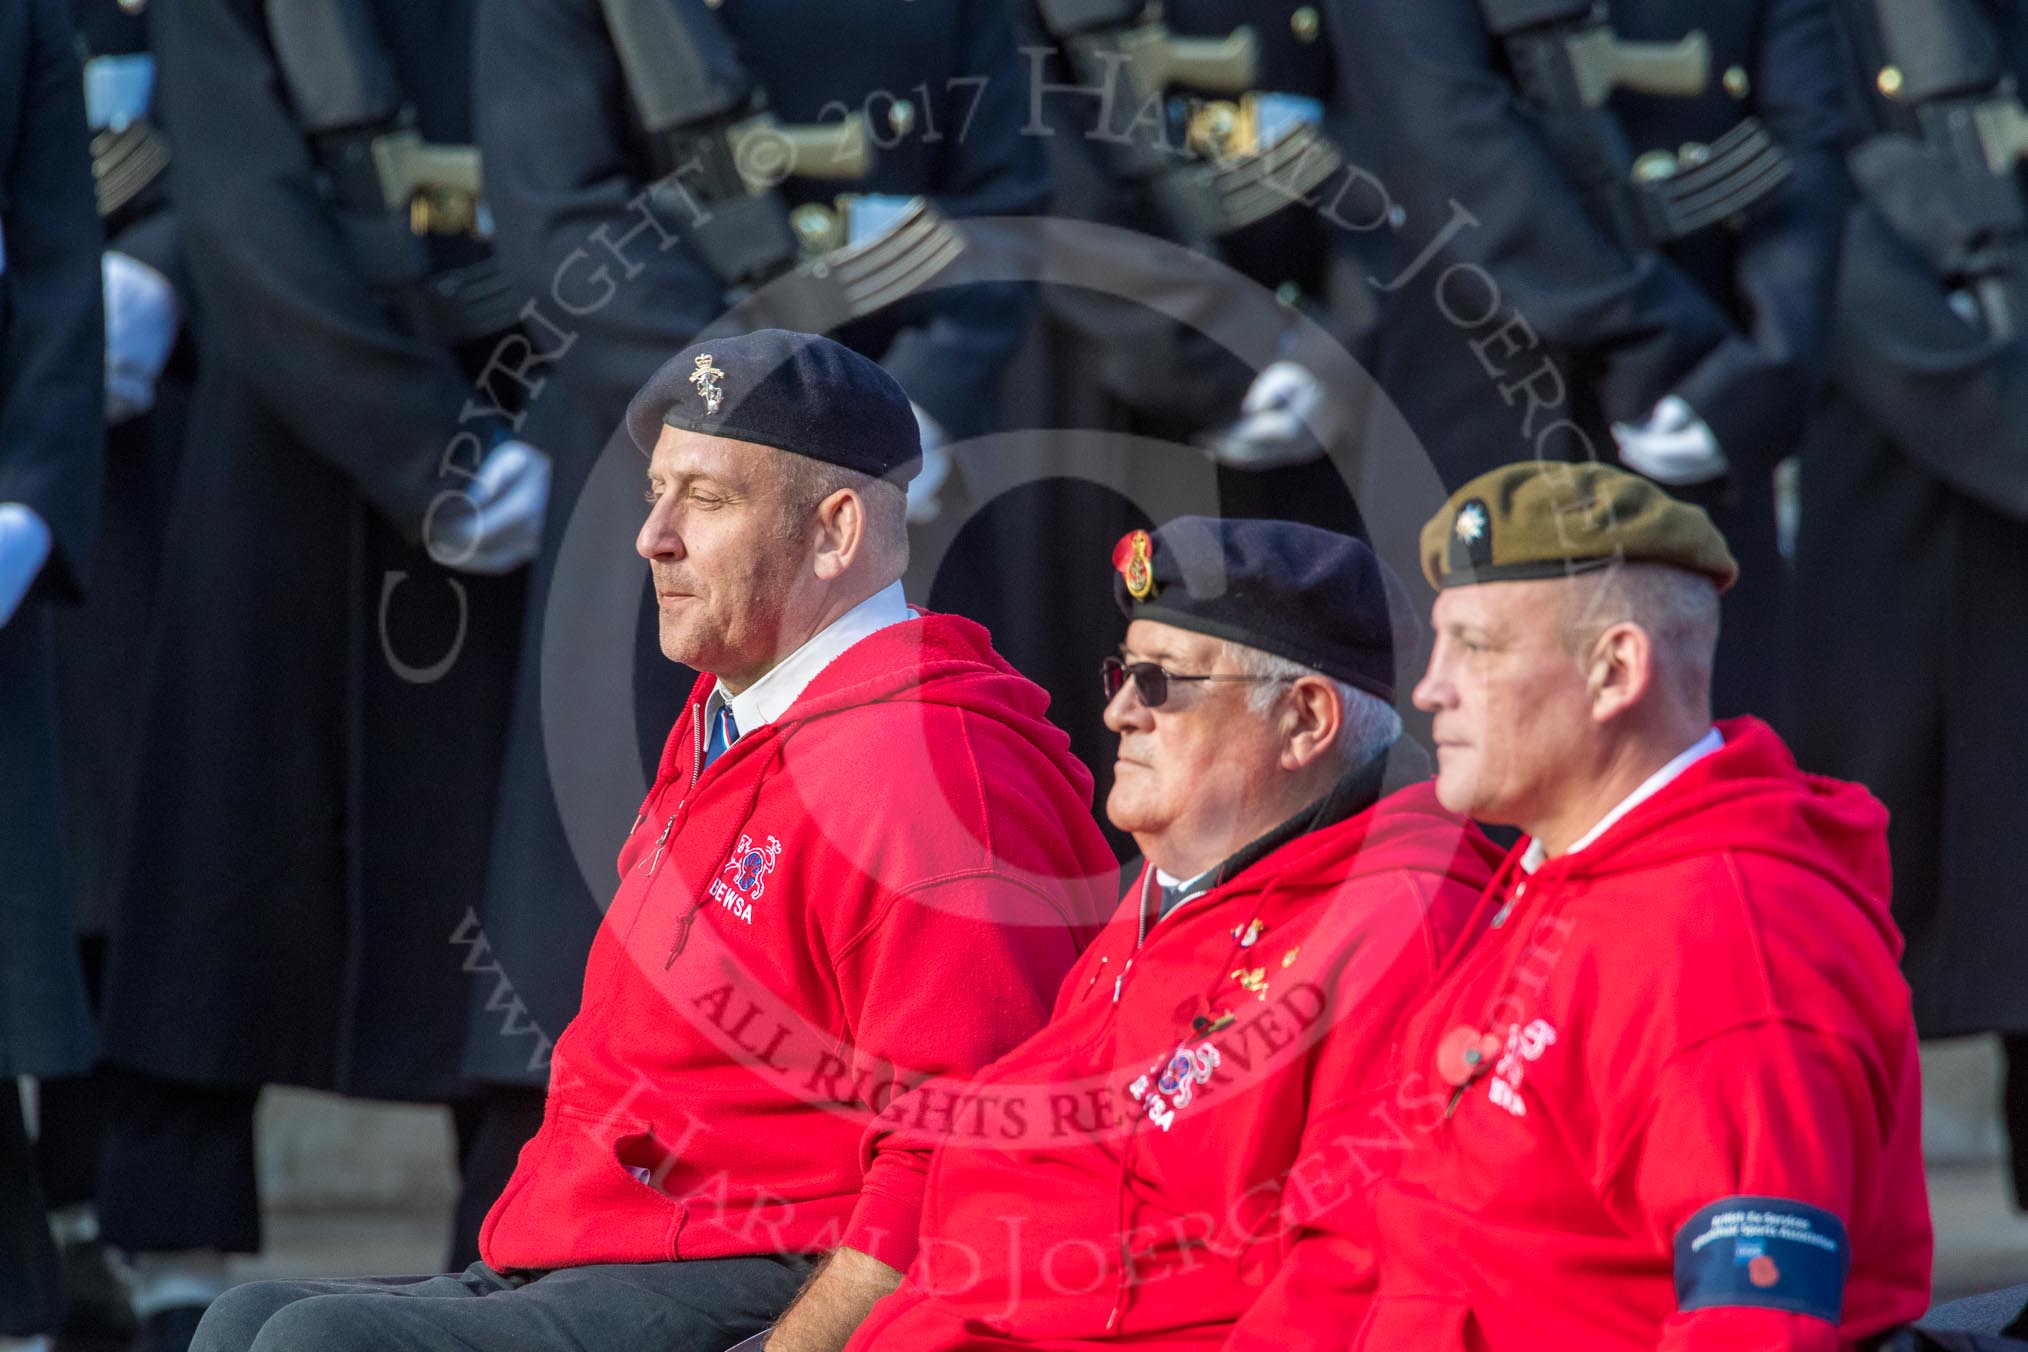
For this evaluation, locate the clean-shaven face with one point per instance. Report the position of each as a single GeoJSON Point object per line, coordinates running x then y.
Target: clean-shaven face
{"type": "Point", "coordinates": [1189, 770]}
{"type": "Point", "coordinates": [1510, 703]}
{"type": "Point", "coordinates": [722, 552]}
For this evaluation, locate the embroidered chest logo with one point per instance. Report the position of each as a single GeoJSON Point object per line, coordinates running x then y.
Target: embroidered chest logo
{"type": "Point", "coordinates": [749, 868]}
{"type": "Point", "coordinates": [1175, 1082]}
{"type": "Point", "coordinates": [1524, 1047]}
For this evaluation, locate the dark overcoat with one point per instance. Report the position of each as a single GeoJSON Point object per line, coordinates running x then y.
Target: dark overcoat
{"type": "Point", "coordinates": [1912, 606]}
{"type": "Point", "coordinates": [100, 702]}
{"type": "Point", "coordinates": [51, 449]}
{"type": "Point", "coordinates": [1497, 267]}
{"type": "Point", "coordinates": [326, 704]}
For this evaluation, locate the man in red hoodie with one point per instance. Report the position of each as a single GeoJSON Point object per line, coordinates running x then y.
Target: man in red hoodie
{"type": "Point", "coordinates": [1672, 1100]}
{"type": "Point", "coordinates": [867, 860]}
{"type": "Point", "coordinates": [1150, 1170]}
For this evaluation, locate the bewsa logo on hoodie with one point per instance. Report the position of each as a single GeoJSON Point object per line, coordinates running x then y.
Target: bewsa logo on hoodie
{"type": "Point", "coordinates": [749, 866]}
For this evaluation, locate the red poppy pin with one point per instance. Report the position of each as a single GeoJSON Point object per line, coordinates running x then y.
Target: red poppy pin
{"type": "Point", "coordinates": [1133, 557]}
{"type": "Point", "coordinates": [1465, 1054]}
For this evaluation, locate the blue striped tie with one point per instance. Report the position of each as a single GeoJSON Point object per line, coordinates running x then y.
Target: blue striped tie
{"type": "Point", "coordinates": [724, 732]}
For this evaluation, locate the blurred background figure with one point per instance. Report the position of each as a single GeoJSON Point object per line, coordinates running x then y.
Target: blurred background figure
{"type": "Point", "coordinates": [51, 448]}
{"type": "Point", "coordinates": [1618, 227]}
{"type": "Point", "coordinates": [149, 365]}
{"type": "Point", "coordinates": [1912, 549]}
{"type": "Point", "coordinates": [1206, 127]}
{"type": "Point", "coordinates": [1218, 127]}
{"type": "Point", "coordinates": [638, 199]}
{"type": "Point", "coordinates": [330, 651]}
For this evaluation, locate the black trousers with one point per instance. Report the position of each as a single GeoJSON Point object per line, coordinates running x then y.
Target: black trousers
{"type": "Point", "coordinates": [177, 1170]}
{"type": "Point", "coordinates": [73, 1111]}
{"type": "Point", "coordinates": [31, 1282]}
{"type": "Point", "coordinates": [705, 1305]}
{"type": "Point", "coordinates": [177, 1167]}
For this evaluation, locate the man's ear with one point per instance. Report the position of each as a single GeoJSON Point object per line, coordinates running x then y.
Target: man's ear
{"type": "Point", "coordinates": [841, 533]}
{"type": "Point", "coordinates": [1620, 670]}
{"type": "Point", "coordinates": [1313, 719]}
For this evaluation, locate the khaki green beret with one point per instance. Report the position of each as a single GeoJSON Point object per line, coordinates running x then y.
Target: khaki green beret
{"type": "Point", "coordinates": [1553, 518]}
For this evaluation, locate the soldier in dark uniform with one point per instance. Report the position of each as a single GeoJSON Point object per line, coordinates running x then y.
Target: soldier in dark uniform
{"type": "Point", "coordinates": [150, 366]}
{"type": "Point", "coordinates": [323, 731]}
{"type": "Point", "coordinates": [622, 282]}
{"type": "Point", "coordinates": [1912, 545]}
{"type": "Point", "coordinates": [50, 464]}
{"type": "Point", "coordinates": [1598, 252]}
{"type": "Point", "coordinates": [1236, 77]}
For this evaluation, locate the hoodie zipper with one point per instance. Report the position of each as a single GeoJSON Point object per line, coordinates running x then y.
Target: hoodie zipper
{"type": "Point", "coordinates": [696, 768]}
{"type": "Point", "coordinates": [682, 938]}
{"type": "Point", "coordinates": [1124, 1292]}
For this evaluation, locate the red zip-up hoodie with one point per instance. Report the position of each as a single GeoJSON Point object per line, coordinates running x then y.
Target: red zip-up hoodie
{"type": "Point", "coordinates": [1698, 1101]}
{"type": "Point", "coordinates": [883, 885]}
{"type": "Point", "coordinates": [1145, 1172]}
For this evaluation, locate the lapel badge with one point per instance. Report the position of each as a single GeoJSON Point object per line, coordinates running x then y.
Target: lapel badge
{"type": "Point", "coordinates": [1254, 980]}
{"type": "Point", "coordinates": [706, 378]}
{"type": "Point", "coordinates": [1289, 958]}
{"type": "Point", "coordinates": [1133, 558]}
{"type": "Point", "coordinates": [1249, 934]}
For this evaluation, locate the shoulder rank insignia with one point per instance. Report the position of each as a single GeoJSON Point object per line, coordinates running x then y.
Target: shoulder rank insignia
{"type": "Point", "coordinates": [1133, 557]}
{"type": "Point", "coordinates": [706, 378]}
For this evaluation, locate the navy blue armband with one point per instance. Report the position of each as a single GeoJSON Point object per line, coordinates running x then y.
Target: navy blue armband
{"type": "Point", "coordinates": [1767, 1252]}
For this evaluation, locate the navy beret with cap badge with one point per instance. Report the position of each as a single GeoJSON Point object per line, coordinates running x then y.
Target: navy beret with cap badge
{"type": "Point", "coordinates": [1314, 596]}
{"type": "Point", "coordinates": [799, 392]}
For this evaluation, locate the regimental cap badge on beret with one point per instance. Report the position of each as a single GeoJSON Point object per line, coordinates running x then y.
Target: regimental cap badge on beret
{"type": "Point", "coordinates": [708, 380]}
{"type": "Point", "coordinates": [1133, 558]}
{"type": "Point", "coordinates": [798, 392]}
{"type": "Point", "coordinates": [1313, 596]}
{"type": "Point", "coordinates": [1549, 519]}
{"type": "Point", "coordinates": [1471, 536]}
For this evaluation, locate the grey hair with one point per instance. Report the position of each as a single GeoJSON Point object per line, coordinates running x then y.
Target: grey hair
{"type": "Point", "coordinates": [807, 481]}
{"type": "Point", "coordinates": [1678, 608]}
{"type": "Point", "coordinates": [1371, 725]}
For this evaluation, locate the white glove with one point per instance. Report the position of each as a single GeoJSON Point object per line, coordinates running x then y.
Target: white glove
{"type": "Point", "coordinates": [936, 467]}
{"type": "Point", "coordinates": [141, 321]}
{"type": "Point", "coordinates": [24, 548]}
{"type": "Point", "coordinates": [1674, 446]}
{"type": "Point", "coordinates": [499, 527]}
{"type": "Point", "coordinates": [1274, 421]}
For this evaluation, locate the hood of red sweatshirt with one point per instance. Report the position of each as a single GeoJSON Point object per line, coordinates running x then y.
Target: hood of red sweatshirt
{"type": "Point", "coordinates": [1750, 795]}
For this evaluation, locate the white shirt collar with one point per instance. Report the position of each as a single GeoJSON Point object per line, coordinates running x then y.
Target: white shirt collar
{"type": "Point", "coordinates": [1535, 856]}
{"type": "Point", "coordinates": [770, 697]}
{"type": "Point", "coordinates": [1189, 888]}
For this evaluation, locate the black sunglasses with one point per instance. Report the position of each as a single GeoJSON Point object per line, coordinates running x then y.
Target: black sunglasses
{"type": "Point", "coordinates": [1151, 681]}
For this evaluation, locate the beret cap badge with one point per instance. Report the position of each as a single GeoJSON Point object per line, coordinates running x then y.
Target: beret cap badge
{"type": "Point", "coordinates": [707, 378]}
{"type": "Point", "coordinates": [1542, 519]}
{"type": "Point", "coordinates": [1133, 557]}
